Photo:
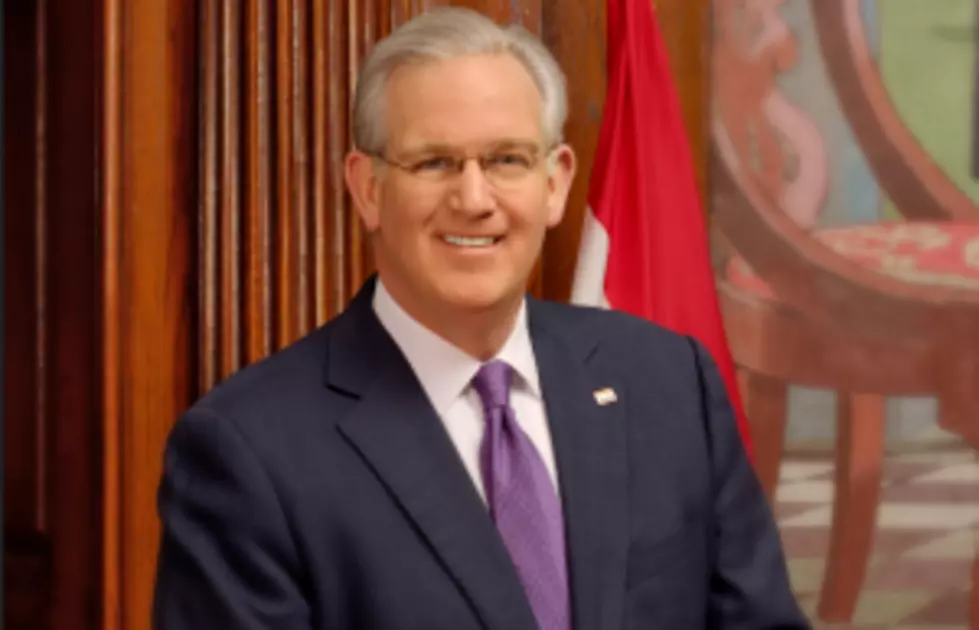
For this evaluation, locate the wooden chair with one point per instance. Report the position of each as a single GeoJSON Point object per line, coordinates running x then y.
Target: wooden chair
{"type": "Point", "coordinates": [868, 311]}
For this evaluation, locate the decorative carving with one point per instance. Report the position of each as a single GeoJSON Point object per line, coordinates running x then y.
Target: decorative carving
{"type": "Point", "coordinates": [777, 145]}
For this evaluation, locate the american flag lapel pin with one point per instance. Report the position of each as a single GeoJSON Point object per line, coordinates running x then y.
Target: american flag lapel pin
{"type": "Point", "coordinates": [605, 396]}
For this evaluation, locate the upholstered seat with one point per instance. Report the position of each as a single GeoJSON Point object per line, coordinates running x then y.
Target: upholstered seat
{"type": "Point", "coordinates": [919, 252]}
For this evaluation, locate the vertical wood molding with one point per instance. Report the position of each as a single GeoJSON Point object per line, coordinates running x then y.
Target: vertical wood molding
{"type": "Point", "coordinates": [231, 106]}
{"type": "Point", "coordinates": [278, 249]}
{"type": "Point", "coordinates": [112, 375]}
{"type": "Point", "coordinates": [329, 203]}
{"type": "Point", "coordinates": [209, 190]}
{"type": "Point", "coordinates": [285, 245]}
{"type": "Point", "coordinates": [41, 272]}
{"type": "Point", "coordinates": [362, 32]}
{"type": "Point", "coordinates": [258, 185]}
{"type": "Point", "coordinates": [301, 194]}
{"type": "Point", "coordinates": [148, 206]}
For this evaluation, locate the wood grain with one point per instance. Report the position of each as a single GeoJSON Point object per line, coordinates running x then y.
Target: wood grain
{"type": "Point", "coordinates": [299, 116]}
{"type": "Point", "coordinates": [362, 32]}
{"type": "Point", "coordinates": [207, 237]}
{"type": "Point", "coordinates": [24, 124]}
{"type": "Point", "coordinates": [147, 257]}
{"type": "Point", "coordinates": [231, 165]}
{"type": "Point", "coordinates": [27, 583]}
{"type": "Point", "coordinates": [258, 182]}
{"type": "Point", "coordinates": [111, 364]}
{"type": "Point", "coordinates": [331, 206]}
{"type": "Point", "coordinates": [51, 303]}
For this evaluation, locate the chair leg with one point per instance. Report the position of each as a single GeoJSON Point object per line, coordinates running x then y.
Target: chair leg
{"type": "Point", "coordinates": [974, 595]}
{"type": "Point", "coordinates": [859, 459]}
{"type": "Point", "coordinates": [957, 414]}
{"type": "Point", "coordinates": [764, 401]}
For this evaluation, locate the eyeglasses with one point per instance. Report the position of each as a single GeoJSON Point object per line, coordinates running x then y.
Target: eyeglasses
{"type": "Point", "coordinates": [503, 166]}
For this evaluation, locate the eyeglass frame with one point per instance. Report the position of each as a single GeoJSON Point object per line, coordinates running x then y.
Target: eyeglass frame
{"type": "Point", "coordinates": [461, 159]}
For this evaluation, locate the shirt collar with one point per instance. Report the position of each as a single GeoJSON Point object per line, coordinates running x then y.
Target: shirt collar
{"type": "Point", "coordinates": [443, 369]}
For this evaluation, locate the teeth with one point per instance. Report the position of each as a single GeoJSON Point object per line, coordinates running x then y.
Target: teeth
{"type": "Point", "coordinates": [469, 241]}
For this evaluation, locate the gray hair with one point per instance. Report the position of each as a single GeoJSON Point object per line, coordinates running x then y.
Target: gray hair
{"type": "Point", "coordinates": [447, 33]}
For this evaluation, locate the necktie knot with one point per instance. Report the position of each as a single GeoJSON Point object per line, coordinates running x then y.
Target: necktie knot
{"type": "Point", "coordinates": [492, 383]}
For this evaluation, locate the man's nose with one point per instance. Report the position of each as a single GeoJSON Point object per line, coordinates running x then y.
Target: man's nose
{"type": "Point", "coordinates": [472, 190]}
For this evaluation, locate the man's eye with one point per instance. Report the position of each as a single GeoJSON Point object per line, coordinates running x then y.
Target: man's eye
{"type": "Point", "coordinates": [510, 160]}
{"type": "Point", "coordinates": [437, 163]}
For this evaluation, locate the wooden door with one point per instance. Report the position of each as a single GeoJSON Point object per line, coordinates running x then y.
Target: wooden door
{"type": "Point", "coordinates": [179, 212]}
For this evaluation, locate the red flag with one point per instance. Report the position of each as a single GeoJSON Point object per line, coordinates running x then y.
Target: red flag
{"type": "Point", "coordinates": [644, 247]}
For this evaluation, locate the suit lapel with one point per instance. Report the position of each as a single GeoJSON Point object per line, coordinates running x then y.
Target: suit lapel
{"type": "Point", "coordinates": [590, 447]}
{"type": "Point", "coordinates": [396, 430]}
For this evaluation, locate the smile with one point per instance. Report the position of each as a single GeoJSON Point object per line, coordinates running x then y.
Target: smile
{"type": "Point", "coordinates": [470, 241]}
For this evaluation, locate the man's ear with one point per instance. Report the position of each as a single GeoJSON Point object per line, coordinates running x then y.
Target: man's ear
{"type": "Point", "coordinates": [561, 168]}
{"type": "Point", "coordinates": [361, 181]}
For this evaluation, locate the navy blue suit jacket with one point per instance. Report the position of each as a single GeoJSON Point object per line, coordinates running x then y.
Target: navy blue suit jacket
{"type": "Point", "coordinates": [318, 490]}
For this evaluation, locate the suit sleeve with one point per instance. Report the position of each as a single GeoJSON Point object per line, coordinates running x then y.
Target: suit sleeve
{"type": "Point", "coordinates": [750, 587]}
{"type": "Point", "coordinates": [226, 557]}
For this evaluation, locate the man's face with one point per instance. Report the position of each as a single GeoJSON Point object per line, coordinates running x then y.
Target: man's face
{"type": "Point", "coordinates": [467, 238]}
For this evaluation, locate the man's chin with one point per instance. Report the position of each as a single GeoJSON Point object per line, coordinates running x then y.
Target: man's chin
{"type": "Point", "coordinates": [478, 298]}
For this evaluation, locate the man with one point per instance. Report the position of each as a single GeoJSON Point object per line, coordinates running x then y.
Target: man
{"type": "Point", "coordinates": [448, 453]}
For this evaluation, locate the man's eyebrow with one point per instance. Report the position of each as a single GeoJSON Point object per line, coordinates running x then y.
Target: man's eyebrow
{"type": "Point", "coordinates": [495, 145]}
{"type": "Point", "coordinates": [429, 148]}
{"type": "Point", "coordinates": [514, 143]}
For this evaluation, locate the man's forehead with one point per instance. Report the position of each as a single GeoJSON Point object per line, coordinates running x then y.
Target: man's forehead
{"type": "Point", "coordinates": [502, 66]}
{"type": "Point", "coordinates": [470, 81]}
{"type": "Point", "coordinates": [467, 101]}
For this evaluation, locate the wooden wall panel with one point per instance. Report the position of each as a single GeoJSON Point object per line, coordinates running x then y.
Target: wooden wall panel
{"type": "Point", "coordinates": [24, 276]}
{"type": "Point", "coordinates": [51, 296]}
{"type": "Point", "coordinates": [27, 569]}
{"type": "Point", "coordinates": [278, 253]}
{"type": "Point", "coordinates": [71, 398]}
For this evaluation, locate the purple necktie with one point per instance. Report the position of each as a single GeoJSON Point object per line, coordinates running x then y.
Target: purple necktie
{"type": "Point", "coordinates": [523, 501]}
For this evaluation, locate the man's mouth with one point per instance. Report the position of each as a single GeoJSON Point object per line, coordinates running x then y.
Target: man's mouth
{"type": "Point", "coordinates": [471, 241]}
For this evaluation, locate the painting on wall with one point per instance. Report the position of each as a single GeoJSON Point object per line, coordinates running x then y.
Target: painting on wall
{"type": "Point", "coordinates": [843, 192]}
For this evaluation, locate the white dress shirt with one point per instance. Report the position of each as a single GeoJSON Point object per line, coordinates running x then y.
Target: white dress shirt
{"type": "Point", "coordinates": [446, 372]}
